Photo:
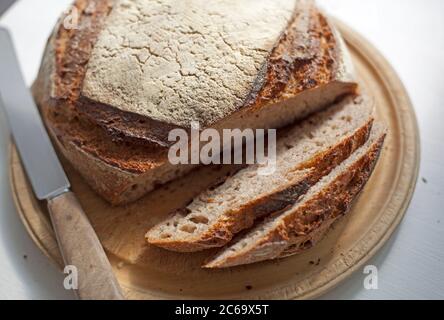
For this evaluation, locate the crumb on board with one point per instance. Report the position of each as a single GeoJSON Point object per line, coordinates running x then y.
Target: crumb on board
{"type": "Point", "coordinates": [248, 287]}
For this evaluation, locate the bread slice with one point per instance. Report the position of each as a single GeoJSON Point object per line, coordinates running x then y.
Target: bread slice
{"type": "Point", "coordinates": [301, 226]}
{"type": "Point", "coordinates": [305, 153]}
{"type": "Point", "coordinates": [123, 154]}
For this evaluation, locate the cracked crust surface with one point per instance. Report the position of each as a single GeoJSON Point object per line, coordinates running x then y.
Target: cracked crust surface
{"type": "Point", "coordinates": [177, 61]}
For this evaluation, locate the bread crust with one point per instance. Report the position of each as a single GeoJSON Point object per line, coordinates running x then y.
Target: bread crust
{"type": "Point", "coordinates": [305, 226]}
{"type": "Point", "coordinates": [244, 217]}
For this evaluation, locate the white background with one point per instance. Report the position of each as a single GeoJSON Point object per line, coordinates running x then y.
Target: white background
{"type": "Point", "coordinates": [410, 33]}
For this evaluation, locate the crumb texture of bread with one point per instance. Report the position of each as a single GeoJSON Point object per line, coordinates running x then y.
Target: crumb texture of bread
{"type": "Point", "coordinates": [301, 226]}
{"type": "Point", "coordinates": [305, 153]}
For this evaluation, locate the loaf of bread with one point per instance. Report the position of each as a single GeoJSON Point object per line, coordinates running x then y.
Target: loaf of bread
{"type": "Point", "coordinates": [111, 89]}
{"type": "Point", "coordinates": [305, 153]}
{"type": "Point", "coordinates": [302, 225]}
{"type": "Point", "coordinates": [123, 74]}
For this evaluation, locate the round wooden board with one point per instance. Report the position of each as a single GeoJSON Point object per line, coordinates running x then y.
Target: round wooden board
{"type": "Point", "coordinates": [146, 272]}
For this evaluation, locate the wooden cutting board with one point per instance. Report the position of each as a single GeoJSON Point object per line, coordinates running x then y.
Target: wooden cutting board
{"type": "Point", "coordinates": [147, 272]}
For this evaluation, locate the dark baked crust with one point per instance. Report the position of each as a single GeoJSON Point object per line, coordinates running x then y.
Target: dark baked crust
{"type": "Point", "coordinates": [300, 61]}
{"type": "Point", "coordinates": [73, 47]}
{"type": "Point", "coordinates": [126, 126]}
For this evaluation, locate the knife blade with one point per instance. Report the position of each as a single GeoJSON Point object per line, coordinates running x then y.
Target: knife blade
{"type": "Point", "coordinates": [78, 243]}
{"type": "Point", "coordinates": [44, 170]}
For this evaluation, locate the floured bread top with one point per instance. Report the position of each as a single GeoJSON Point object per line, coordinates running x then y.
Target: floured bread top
{"type": "Point", "coordinates": [178, 61]}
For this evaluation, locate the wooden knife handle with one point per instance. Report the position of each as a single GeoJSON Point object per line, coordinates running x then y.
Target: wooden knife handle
{"type": "Point", "coordinates": [81, 248]}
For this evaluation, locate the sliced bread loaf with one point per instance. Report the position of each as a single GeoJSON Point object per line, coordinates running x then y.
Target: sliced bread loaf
{"type": "Point", "coordinates": [98, 106]}
{"type": "Point", "coordinates": [305, 153]}
{"type": "Point", "coordinates": [299, 227]}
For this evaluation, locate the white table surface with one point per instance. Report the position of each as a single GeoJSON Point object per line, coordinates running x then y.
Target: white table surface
{"type": "Point", "coordinates": [410, 33]}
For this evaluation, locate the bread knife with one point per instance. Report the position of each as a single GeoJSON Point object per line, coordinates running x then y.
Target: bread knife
{"type": "Point", "coordinates": [78, 243]}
